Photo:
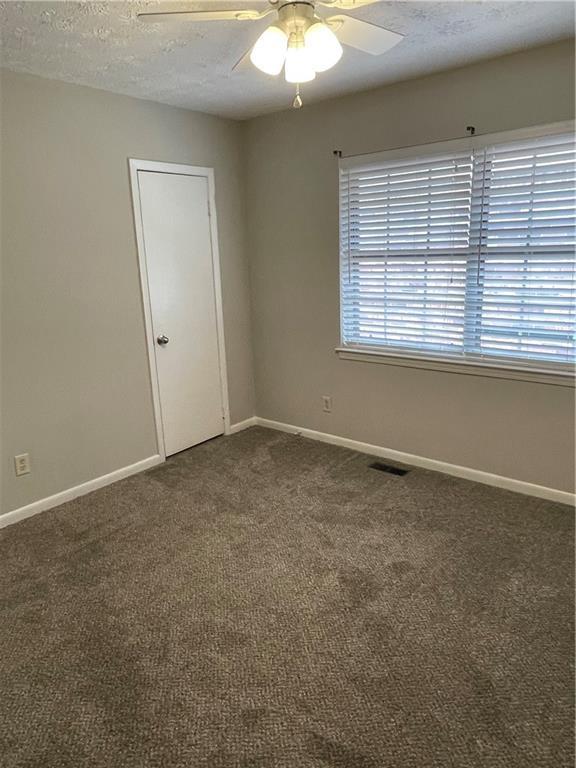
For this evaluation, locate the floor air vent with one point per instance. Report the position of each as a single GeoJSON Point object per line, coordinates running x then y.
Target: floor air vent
{"type": "Point", "coordinates": [388, 468]}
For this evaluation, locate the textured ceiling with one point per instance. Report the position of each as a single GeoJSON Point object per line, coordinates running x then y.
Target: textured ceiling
{"type": "Point", "coordinates": [101, 44]}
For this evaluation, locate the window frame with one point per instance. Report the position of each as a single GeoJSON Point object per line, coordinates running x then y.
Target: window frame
{"type": "Point", "coordinates": [493, 368]}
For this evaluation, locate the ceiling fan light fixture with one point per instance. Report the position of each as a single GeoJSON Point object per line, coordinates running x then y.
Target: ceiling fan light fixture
{"type": "Point", "coordinates": [298, 67]}
{"type": "Point", "coordinates": [323, 45]}
{"type": "Point", "coordinates": [269, 52]}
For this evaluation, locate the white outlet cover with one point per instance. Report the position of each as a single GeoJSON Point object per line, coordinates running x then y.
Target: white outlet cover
{"type": "Point", "coordinates": [22, 464]}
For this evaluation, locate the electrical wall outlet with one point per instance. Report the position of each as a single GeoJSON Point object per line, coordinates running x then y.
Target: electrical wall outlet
{"type": "Point", "coordinates": [22, 464]}
{"type": "Point", "coordinates": [326, 403]}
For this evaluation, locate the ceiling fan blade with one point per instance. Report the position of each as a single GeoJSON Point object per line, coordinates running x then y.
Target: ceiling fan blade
{"type": "Point", "coordinates": [346, 5]}
{"type": "Point", "coordinates": [362, 35]}
{"type": "Point", "coordinates": [243, 62]}
{"type": "Point", "coordinates": [238, 14]}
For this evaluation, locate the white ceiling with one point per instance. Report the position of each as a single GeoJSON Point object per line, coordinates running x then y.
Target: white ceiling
{"type": "Point", "coordinates": [101, 44]}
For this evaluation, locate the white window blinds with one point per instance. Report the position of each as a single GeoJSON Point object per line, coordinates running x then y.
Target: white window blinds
{"type": "Point", "coordinates": [467, 254]}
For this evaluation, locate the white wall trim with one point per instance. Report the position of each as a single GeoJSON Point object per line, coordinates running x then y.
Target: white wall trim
{"type": "Point", "coordinates": [136, 165]}
{"type": "Point", "coordinates": [41, 505]}
{"type": "Point", "coordinates": [559, 378]}
{"type": "Point", "coordinates": [240, 425]}
{"type": "Point", "coordinates": [467, 473]}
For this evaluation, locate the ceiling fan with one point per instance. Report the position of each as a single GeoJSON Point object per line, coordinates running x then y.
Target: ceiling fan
{"type": "Point", "coordinates": [298, 40]}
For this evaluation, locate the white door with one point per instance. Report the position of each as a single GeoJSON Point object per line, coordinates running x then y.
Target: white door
{"type": "Point", "coordinates": [178, 251]}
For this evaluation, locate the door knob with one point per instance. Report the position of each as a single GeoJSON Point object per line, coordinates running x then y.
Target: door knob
{"type": "Point", "coordinates": [162, 340]}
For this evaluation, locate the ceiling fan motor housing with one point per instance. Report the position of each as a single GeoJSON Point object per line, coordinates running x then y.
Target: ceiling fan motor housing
{"type": "Point", "coordinates": [295, 17]}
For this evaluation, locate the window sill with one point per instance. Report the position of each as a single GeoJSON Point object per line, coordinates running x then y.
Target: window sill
{"type": "Point", "coordinates": [462, 367]}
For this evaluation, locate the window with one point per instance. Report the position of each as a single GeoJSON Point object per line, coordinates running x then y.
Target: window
{"type": "Point", "coordinates": [465, 251]}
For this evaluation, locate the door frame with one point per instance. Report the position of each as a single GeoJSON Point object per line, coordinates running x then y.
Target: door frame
{"type": "Point", "coordinates": [136, 165]}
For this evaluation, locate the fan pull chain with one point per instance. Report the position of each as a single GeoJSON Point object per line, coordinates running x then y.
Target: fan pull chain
{"type": "Point", "coordinates": [297, 103]}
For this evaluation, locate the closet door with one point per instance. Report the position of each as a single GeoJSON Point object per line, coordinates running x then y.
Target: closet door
{"type": "Point", "coordinates": [178, 250]}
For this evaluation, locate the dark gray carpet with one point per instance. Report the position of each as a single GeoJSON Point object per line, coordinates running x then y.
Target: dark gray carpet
{"type": "Point", "coordinates": [265, 601]}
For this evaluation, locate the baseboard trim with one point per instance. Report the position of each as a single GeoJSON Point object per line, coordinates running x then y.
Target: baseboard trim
{"type": "Point", "coordinates": [467, 473]}
{"type": "Point", "coordinates": [240, 425]}
{"type": "Point", "coordinates": [9, 518]}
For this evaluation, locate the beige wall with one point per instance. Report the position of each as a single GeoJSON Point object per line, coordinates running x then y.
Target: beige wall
{"type": "Point", "coordinates": [75, 385]}
{"type": "Point", "coordinates": [520, 430]}
{"type": "Point", "coordinates": [75, 389]}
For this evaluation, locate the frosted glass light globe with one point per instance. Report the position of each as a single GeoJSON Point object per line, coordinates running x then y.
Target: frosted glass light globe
{"type": "Point", "coordinates": [323, 45]}
{"type": "Point", "coordinates": [298, 68]}
{"type": "Point", "coordinates": [269, 52]}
